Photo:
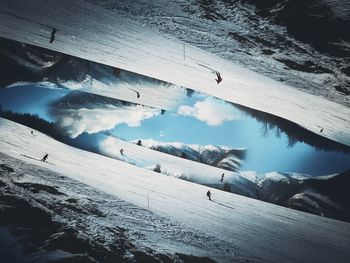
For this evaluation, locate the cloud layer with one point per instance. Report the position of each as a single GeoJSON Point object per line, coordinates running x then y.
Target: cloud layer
{"type": "Point", "coordinates": [76, 121]}
{"type": "Point", "coordinates": [211, 111]}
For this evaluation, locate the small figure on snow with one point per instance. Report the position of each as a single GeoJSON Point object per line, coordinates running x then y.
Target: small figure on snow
{"type": "Point", "coordinates": [139, 143]}
{"type": "Point", "coordinates": [53, 32]}
{"type": "Point", "coordinates": [209, 195]}
{"type": "Point", "coordinates": [321, 130]}
{"type": "Point", "coordinates": [31, 132]}
{"type": "Point", "coordinates": [219, 78]}
{"type": "Point", "coordinates": [137, 93]}
{"type": "Point", "coordinates": [44, 158]}
{"type": "Point", "coordinates": [122, 151]}
{"type": "Point", "coordinates": [222, 177]}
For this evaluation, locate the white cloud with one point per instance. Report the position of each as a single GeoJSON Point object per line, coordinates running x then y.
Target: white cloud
{"type": "Point", "coordinates": [212, 111]}
{"type": "Point", "coordinates": [77, 121]}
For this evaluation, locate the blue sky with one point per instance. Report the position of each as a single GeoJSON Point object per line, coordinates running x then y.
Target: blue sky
{"type": "Point", "coordinates": [30, 98]}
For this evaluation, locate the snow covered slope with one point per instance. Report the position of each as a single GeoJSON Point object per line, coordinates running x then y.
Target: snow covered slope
{"type": "Point", "coordinates": [257, 231]}
{"type": "Point", "coordinates": [48, 217]}
{"type": "Point", "coordinates": [116, 40]}
{"type": "Point", "coordinates": [269, 37]}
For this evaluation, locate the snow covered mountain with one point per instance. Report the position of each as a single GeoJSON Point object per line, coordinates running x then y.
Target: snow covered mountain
{"type": "Point", "coordinates": [110, 202]}
{"type": "Point", "coordinates": [219, 156]}
{"type": "Point", "coordinates": [322, 195]}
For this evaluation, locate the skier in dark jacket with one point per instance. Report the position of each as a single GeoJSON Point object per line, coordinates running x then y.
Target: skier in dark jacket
{"type": "Point", "coordinates": [122, 151]}
{"type": "Point", "coordinates": [53, 32]}
{"type": "Point", "coordinates": [209, 195]}
{"type": "Point", "coordinates": [219, 78]}
{"type": "Point", "coordinates": [44, 158]}
{"type": "Point", "coordinates": [222, 177]}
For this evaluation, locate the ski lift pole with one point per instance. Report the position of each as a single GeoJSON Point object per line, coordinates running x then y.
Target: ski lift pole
{"type": "Point", "coordinates": [184, 52]}
{"type": "Point", "coordinates": [147, 201]}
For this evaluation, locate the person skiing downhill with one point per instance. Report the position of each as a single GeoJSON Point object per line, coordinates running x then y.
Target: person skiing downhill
{"type": "Point", "coordinates": [137, 93]}
{"type": "Point", "coordinates": [209, 195]}
{"type": "Point", "coordinates": [219, 78]}
{"type": "Point", "coordinates": [44, 158]}
{"type": "Point", "coordinates": [52, 37]}
{"type": "Point", "coordinates": [122, 151]}
{"type": "Point", "coordinates": [222, 177]}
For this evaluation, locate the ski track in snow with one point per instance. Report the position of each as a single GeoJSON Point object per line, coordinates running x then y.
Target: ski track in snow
{"type": "Point", "coordinates": [113, 39]}
{"type": "Point", "coordinates": [258, 231]}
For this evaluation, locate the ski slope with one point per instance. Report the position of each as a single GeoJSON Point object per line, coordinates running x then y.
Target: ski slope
{"type": "Point", "coordinates": [258, 231]}
{"type": "Point", "coordinates": [96, 34]}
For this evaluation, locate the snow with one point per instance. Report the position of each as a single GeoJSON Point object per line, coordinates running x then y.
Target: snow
{"type": "Point", "coordinates": [250, 175]}
{"type": "Point", "coordinates": [94, 215]}
{"type": "Point", "coordinates": [179, 145]}
{"type": "Point", "coordinates": [259, 231]}
{"type": "Point", "coordinates": [275, 176]}
{"type": "Point", "coordinates": [142, 51]}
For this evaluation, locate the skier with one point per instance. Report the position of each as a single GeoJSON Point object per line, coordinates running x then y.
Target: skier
{"type": "Point", "coordinates": [31, 132]}
{"type": "Point", "coordinates": [219, 77]}
{"type": "Point", "coordinates": [44, 158]}
{"type": "Point", "coordinates": [53, 32]}
{"type": "Point", "coordinates": [122, 151]}
{"type": "Point", "coordinates": [209, 195]}
{"type": "Point", "coordinates": [321, 130]}
{"type": "Point", "coordinates": [139, 143]}
{"type": "Point", "coordinates": [137, 93]}
{"type": "Point", "coordinates": [222, 177]}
